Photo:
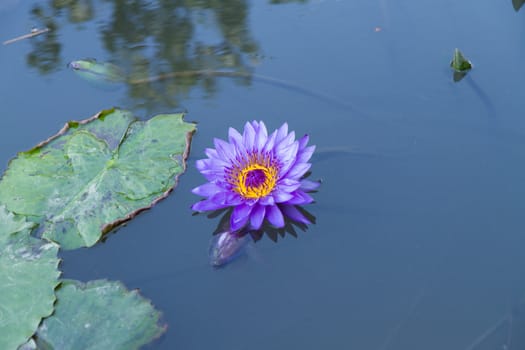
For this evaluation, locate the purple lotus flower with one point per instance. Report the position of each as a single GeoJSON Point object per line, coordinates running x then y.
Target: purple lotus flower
{"type": "Point", "coordinates": [259, 175]}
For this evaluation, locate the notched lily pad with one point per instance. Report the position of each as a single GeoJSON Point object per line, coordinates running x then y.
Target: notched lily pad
{"type": "Point", "coordinates": [28, 274]}
{"type": "Point", "coordinates": [99, 315]}
{"type": "Point", "coordinates": [96, 174]}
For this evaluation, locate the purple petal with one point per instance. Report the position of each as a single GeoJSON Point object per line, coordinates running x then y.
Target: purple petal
{"type": "Point", "coordinates": [270, 142]}
{"type": "Point", "coordinates": [248, 137]}
{"type": "Point", "coordinates": [202, 164]}
{"type": "Point", "coordinates": [288, 185]}
{"type": "Point", "coordinates": [274, 216]}
{"type": "Point", "coordinates": [304, 155]}
{"type": "Point", "coordinates": [213, 164]}
{"type": "Point", "coordinates": [287, 157]}
{"type": "Point", "coordinates": [211, 153]}
{"type": "Point", "coordinates": [257, 216]}
{"type": "Point", "coordinates": [219, 165]}
{"type": "Point", "coordinates": [263, 128]}
{"type": "Point", "coordinates": [210, 175]}
{"type": "Point", "coordinates": [234, 136]}
{"type": "Point", "coordinates": [268, 200]}
{"type": "Point", "coordinates": [261, 136]}
{"type": "Point", "coordinates": [293, 213]}
{"type": "Point", "coordinates": [212, 170]}
{"type": "Point", "coordinates": [240, 216]}
{"type": "Point", "coordinates": [224, 149]}
{"type": "Point", "coordinates": [281, 133]}
{"type": "Point", "coordinates": [236, 141]}
{"type": "Point", "coordinates": [226, 199]}
{"type": "Point", "coordinates": [281, 196]}
{"type": "Point", "coordinates": [298, 170]}
{"type": "Point", "coordinates": [288, 140]}
{"type": "Point", "coordinates": [300, 197]}
{"type": "Point", "coordinates": [234, 199]}
{"type": "Point", "coordinates": [307, 185]}
{"type": "Point", "coordinates": [207, 205]}
{"type": "Point", "coordinates": [207, 190]}
{"type": "Point", "coordinates": [303, 141]}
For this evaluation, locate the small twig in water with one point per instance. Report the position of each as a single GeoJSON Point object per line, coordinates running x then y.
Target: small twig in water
{"type": "Point", "coordinates": [34, 32]}
{"type": "Point", "coordinates": [479, 340]}
{"type": "Point", "coordinates": [395, 331]}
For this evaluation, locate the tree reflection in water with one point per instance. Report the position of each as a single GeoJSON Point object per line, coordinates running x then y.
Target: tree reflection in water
{"type": "Point", "coordinates": [148, 39]}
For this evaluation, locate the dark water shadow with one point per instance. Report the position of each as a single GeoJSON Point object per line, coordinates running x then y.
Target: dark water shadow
{"type": "Point", "coordinates": [483, 97]}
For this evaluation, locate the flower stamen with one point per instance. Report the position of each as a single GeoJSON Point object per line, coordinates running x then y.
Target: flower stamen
{"type": "Point", "coordinates": [254, 177]}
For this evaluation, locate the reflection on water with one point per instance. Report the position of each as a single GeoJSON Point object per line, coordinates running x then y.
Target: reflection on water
{"type": "Point", "coordinates": [226, 246]}
{"type": "Point", "coordinates": [155, 39]}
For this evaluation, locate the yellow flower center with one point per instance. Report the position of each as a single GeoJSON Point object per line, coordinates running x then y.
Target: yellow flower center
{"type": "Point", "coordinates": [256, 178]}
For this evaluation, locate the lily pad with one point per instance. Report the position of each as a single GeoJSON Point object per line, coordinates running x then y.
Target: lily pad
{"type": "Point", "coordinates": [99, 315]}
{"type": "Point", "coordinates": [96, 174]}
{"type": "Point", "coordinates": [28, 277]}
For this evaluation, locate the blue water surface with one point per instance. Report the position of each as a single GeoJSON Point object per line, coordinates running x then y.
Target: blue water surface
{"type": "Point", "coordinates": [420, 232]}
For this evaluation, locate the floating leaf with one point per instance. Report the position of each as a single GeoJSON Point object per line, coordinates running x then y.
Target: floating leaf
{"type": "Point", "coordinates": [28, 277]}
{"type": "Point", "coordinates": [96, 174]}
{"type": "Point", "coordinates": [517, 4]}
{"type": "Point", "coordinates": [459, 62]}
{"type": "Point", "coordinates": [98, 72]}
{"type": "Point", "coordinates": [99, 315]}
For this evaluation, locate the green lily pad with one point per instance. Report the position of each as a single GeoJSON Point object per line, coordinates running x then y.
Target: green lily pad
{"type": "Point", "coordinates": [459, 63]}
{"type": "Point", "coordinates": [96, 174]}
{"type": "Point", "coordinates": [99, 315]}
{"type": "Point", "coordinates": [28, 277]}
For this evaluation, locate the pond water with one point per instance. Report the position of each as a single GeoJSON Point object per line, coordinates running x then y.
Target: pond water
{"type": "Point", "coordinates": [420, 233]}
